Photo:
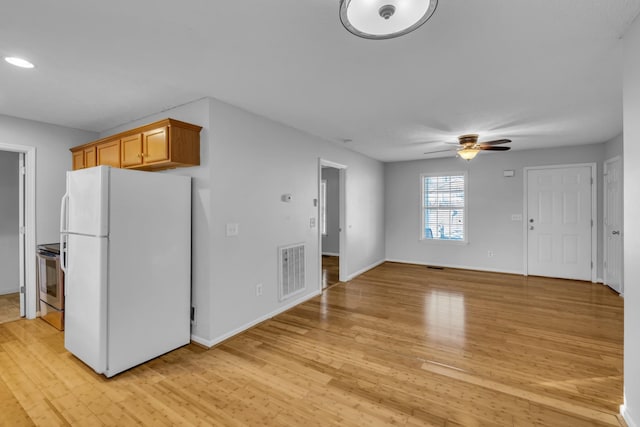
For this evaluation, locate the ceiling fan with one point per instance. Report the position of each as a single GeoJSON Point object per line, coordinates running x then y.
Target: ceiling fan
{"type": "Point", "coordinates": [469, 146]}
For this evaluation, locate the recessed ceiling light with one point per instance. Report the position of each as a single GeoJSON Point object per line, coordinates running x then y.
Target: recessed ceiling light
{"type": "Point", "coordinates": [18, 62]}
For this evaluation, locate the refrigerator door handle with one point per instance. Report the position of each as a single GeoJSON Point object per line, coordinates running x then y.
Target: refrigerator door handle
{"type": "Point", "coordinates": [64, 221]}
{"type": "Point", "coordinates": [64, 242]}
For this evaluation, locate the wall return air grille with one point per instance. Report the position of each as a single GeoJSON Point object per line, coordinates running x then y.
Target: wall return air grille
{"type": "Point", "coordinates": [291, 270]}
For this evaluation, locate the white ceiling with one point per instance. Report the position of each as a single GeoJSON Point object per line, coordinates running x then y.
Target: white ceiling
{"type": "Point", "coordinates": [543, 73]}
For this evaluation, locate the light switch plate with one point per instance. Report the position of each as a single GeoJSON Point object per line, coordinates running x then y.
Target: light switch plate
{"type": "Point", "coordinates": [233, 229]}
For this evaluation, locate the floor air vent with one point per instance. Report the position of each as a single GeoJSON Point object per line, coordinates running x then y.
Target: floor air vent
{"type": "Point", "coordinates": [291, 265]}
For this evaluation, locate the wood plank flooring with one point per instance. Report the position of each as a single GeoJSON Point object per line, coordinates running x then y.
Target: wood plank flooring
{"type": "Point", "coordinates": [9, 307]}
{"type": "Point", "coordinates": [330, 270]}
{"type": "Point", "coordinates": [399, 345]}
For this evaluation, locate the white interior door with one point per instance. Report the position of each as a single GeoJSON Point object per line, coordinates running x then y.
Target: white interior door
{"type": "Point", "coordinates": [613, 224]}
{"type": "Point", "coordinates": [559, 221]}
{"type": "Point", "coordinates": [21, 231]}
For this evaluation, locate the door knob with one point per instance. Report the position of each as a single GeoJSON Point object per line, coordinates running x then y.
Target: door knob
{"type": "Point", "coordinates": [531, 220]}
{"type": "Point", "coordinates": [615, 232]}
{"type": "Point", "coordinates": [531, 227]}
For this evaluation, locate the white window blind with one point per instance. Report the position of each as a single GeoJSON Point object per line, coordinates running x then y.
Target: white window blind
{"type": "Point", "coordinates": [444, 207]}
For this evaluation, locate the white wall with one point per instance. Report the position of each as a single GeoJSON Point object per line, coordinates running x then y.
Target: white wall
{"type": "Point", "coordinates": [9, 277]}
{"type": "Point", "coordinates": [331, 241]}
{"type": "Point", "coordinates": [631, 111]}
{"type": "Point", "coordinates": [492, 199]}
{"type": "Point", "coordinates": [53, 159]}
{"type": "Point", "coordinates": [613, 147]}
{"type": "Point", "coordinates": [248, 162]}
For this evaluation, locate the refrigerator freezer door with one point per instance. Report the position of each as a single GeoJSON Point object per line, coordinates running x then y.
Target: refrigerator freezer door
{"type": "Point", "coordinates": [87, 202]}
{"type": "Point", "coordinates": [86, 300]}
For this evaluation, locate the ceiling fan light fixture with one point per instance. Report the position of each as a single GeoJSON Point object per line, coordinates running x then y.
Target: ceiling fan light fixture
{"type": "Point", "coordinates": [468, 153]}
{"type": "Point", "coordinates": [384, 19]}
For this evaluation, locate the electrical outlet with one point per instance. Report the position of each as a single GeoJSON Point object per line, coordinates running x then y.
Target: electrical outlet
{"type": "Point", "coordinates": [490, 254]}
{"type": "Point", "coordinates": [259, 289]}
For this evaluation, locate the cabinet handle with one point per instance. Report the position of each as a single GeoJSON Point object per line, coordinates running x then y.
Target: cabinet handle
{"type": "Point", "coordinates": [139, 155]}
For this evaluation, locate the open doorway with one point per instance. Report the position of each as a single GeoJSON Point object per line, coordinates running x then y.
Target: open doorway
{"type": "Point", "coordinates": [10, 236]}
{"type": "Point", "coordinates": [331, 206]}
{"type": "Point", "coordinates": [21, 169]}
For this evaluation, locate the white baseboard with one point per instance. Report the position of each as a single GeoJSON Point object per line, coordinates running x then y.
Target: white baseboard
{"type": "Point", "coordinates": [223, 337]}
{"type": "Point", "coordinates": [631, 422]}
{"type": "Point", "coordinates": [330, 254]}
{"type": "Point", "coordinates": [462, 267]}
{"type": "Point", "coordinates": [364, 270]}
{"type": "Point", "coordinates": [9, 291]}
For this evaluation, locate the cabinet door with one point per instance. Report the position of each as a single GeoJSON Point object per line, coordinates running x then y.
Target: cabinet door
{"type": "Point", "coordinates": [131, 150]}
{"type": "Point", "coordinates": [109, 153]}
{"type": "Point", "coordinates": [156, 145]}
{"type": "Point", "coordinates": [89, 157]}
{"type": "Point", "coordinates": [78, 160]}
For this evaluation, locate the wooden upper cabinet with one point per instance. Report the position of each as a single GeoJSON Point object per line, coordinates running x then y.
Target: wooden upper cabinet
{"type": "Point", "coordinates": [131, 147]}
{"type": "Point", "coordinates": [156, 145]}
{"type": "Point", "coordinates": [161, 145]}
{"type": "Point", "coordinates": [89, 157]}
{"type": "Point", "coordinates": [84, 157]}
{"type": "Point", "coordinates": [78, 159]}
{"type": "Point", "coordinates": [108, 153]}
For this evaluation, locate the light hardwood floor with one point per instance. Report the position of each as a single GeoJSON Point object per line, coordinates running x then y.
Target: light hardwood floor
{"type": "Point", "coordinates": [401, 344]}
{"type": "Point", "coordinates": [330, 270]}
{"type": "Point", "coordinates": [9, 307]}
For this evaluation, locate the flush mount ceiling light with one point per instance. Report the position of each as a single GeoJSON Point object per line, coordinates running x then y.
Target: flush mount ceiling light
{"type": "Point", "coordinates": [18, 62]}
{"type": "Point", "coordinates": [385, 19]}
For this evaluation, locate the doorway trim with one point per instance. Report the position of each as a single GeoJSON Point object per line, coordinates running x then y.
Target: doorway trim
{"type": "Point", "coordinates": [342, 188]}
{"type": "Point", "coordinates": [29, 266]}
{"type": "Point", "coordinates": [594, 214]}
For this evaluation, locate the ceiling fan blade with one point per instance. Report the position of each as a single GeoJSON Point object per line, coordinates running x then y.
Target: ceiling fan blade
{"type": "Point", "coordinates": [495, 142]}
{"type": "Point", "coordinates": [490, 148]}
{"type": "Point", "coordinates": [438, 151]}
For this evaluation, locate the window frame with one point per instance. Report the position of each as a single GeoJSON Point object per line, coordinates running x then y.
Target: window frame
{"type": "Point", "coordinates": [465, 208]}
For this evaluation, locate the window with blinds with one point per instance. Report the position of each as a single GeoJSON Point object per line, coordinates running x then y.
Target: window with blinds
{"type": "Point", "coordinates": [444, 206]}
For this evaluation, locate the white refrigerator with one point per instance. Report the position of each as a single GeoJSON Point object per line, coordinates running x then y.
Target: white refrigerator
{"type": "Point", "coordinates": [126, 254]}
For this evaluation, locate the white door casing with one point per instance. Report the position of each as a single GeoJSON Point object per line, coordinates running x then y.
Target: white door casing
{"type": "Point", "coordinates": [342, 188]}
{"type": "Point", "coordinates": [612, 224]}
{"type": "Point", "coordinates": [21, 232]}
{"type": "Point", "coordinates": [29, 267]}
{"type": "Point", "coordinates": [560, 239]}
